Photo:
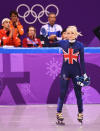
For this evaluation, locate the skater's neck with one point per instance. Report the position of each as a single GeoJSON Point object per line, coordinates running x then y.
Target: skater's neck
{"type": "Point", "coordinates": [72, 41]}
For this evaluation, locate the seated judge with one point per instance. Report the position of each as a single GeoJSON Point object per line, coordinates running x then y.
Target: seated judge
{"type": "Point", "coordinates": [31, 40]}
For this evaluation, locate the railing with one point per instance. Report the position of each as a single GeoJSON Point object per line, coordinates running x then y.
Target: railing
{"type": "Point", "coordinates": [44, 50]}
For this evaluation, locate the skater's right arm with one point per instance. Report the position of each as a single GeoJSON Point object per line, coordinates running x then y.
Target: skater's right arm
{"type": "Point", "coordinates": [55, 44]}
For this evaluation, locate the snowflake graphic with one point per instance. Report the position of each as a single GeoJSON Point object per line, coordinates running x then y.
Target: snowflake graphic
{"type": "Point", "coordinates": [53, 68]}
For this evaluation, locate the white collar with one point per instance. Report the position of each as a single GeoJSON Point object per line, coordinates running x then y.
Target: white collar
{"type": "Point", "coordinates": [72, 41]}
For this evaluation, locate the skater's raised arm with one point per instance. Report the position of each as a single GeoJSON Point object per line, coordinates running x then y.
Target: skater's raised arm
{"type": "Point", "coordinates": [55, 44]}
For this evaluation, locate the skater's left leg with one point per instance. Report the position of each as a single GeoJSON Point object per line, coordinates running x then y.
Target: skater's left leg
{"type": "Point", "coordinates": [78, 94]}
{"type": "Point", "coordinates": [77, 88]}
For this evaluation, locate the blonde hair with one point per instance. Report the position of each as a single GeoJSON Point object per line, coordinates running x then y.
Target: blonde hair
{"type": "Point", "coordinates": [74, 29]}
{"type": "Point", "coordinates": [5, 19]}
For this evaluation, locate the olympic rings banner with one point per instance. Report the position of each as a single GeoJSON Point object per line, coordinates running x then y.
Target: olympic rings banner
{"type": "Point", "coordinates": [34, 14]}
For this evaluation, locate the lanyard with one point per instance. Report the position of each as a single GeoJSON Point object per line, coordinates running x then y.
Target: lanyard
{"type": "Point", "coordinates": [32, 42]}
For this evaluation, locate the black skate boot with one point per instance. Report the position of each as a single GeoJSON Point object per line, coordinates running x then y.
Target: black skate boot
{"type": "Point", "coordinates": [60, 118]}
{"type": "Point", "coordinates": [80, 117]}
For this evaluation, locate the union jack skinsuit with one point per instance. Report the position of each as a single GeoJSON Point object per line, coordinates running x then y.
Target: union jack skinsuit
{"type": "Point", "coordinates": [70, 69]}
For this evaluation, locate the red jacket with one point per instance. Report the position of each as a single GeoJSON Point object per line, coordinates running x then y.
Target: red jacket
{"type": "Point", "coordinates": [4, 39]}
{"type": "Point", "coordinates": [17, 31]}
{"type": "Point", "coordinates": [27, 42]}
{"type": "Point", "coordinates": [15, 40]}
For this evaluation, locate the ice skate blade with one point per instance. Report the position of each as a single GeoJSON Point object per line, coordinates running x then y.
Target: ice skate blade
{"type": "Point", "coordinates": [60, 123]}
{"type": "Point", "coordinates": [81, 121]}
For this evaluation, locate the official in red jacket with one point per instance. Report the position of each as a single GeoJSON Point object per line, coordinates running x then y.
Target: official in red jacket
{"type": "Point", "coordinates": [31, 40]}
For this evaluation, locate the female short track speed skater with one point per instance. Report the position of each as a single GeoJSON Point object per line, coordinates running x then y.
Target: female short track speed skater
{"type": "Point", "coordinates": [71, 68]}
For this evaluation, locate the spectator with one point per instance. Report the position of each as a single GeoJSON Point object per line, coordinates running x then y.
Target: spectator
{"type": "Point", "coordinates": [64, 35]}
{"type": "Point", "coordinates": [51, 31]}
{"type": "Point", "coordinates": [5, 33]}
{"type": "Point", "coordinates": [16, 29]}
{"type": "Point", "coordinates": [31, 40]}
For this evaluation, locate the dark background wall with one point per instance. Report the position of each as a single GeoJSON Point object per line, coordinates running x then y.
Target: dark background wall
{"type": "Point", "coordinates": [85, 14]}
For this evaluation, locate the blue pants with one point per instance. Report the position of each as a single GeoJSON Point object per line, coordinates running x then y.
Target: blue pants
{"type": "Point", "coordinates": [70, 71]}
